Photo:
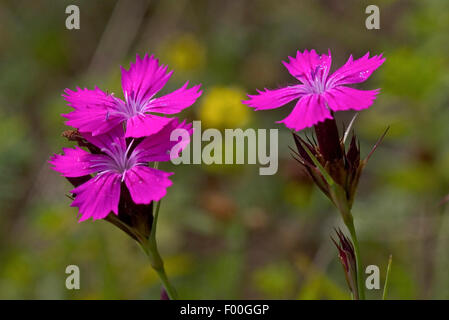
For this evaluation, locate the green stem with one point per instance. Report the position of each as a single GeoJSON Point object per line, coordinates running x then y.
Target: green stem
{"type": "Point", "coordinates": [360, 285]}
{"type": "Point", "coordinates": [390, 260]}
{"type": "Point", "coordinates": [150, 248]}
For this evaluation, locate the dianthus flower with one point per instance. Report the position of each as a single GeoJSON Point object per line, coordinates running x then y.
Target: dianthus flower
{"type": "Point", "coordinates": [97, 112]}
{"type": "Point", "coordinates": [116, 161]}
{"type": "Point", "coordinates": [319, 93]}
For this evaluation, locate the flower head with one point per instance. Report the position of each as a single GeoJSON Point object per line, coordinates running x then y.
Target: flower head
{"type": "Point", "coordinates": [97, 112]}
{"type": "Point", "coordinates": [117, 162]}
{"type": "Point", "coordinates": [319, 93]}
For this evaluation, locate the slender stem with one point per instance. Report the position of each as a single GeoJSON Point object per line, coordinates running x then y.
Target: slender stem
{"type": "Point", "coordinates": [154, 224]}
{"type": "Point", "coordinates": [384, 295]}
{"type": "Point", "coordinates": [150, 248]}
{"type": "Point", "coordinates": [360, 285]}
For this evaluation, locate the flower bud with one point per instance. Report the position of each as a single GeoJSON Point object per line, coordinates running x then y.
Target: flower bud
{"type": "Point", "coordinates": [348, 261]}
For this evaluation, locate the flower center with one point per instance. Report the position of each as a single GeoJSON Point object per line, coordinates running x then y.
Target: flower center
{"type": "Point", "coordinates": [133, 106]}
{"type": "Point", "coordinates": [117, 160]}
{"type": "Point", "coordinates": [317, 81]}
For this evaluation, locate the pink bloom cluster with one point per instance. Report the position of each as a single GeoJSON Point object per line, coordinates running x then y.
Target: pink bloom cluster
{"type": "Point", "coordinates": [127, 135]}
{"type": "Point", "coordinates": [319, 93]}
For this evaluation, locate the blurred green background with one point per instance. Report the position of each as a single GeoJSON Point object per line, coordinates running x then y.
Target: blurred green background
{"type": "Point", "coordinates": [225, 231]}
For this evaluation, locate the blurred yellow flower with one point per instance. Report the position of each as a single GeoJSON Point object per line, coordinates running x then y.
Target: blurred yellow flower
{"type": "Point", "coordinates": [184, 53]}
{"type": "Point", "coordinates": [221, 108]}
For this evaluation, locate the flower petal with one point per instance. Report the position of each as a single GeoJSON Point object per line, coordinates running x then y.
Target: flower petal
{"type": "Point", "coordinates": [157, 146]}
{"type": "Point", "coordinates": [176, 101]}
{"type": "Point", "coordinates": [355, 71]}
{"type": "Point", "coordinates": [307, 66]}
{"type": "Point", "coordinates": [272, 99]}
{"type": "Point", "coordinates": [74, 162]}
{"type": "Point", "coordinates": [147, 184]}
{"type": "Point", "coordinates": [98, 197]}
{"type": "Point", "coordinates": [345, 98]}
{"type": "Point", "coordinates": [143, 125]}
{"type": "Point", "coordinates": [92, 110]}
{"type": "Point", "coordinates": [309, 110]}
{"type": "Point", "coordinates": [144, 78]}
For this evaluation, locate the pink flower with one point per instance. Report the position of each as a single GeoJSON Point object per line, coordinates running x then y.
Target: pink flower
{"type": "Point", "coordinates": [97, 112]}
{"type": "Point", "coordinates": [118, 162]}
{"type": "Point", "coordinates": [319, 93]}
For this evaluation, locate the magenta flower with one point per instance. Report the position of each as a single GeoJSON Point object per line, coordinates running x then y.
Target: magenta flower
{"type": "Point", "coordinates": [97, 112]}
{"type": "Point", "coordinates": [319, 93]}
{"type": "Point", "coordinates": [118, 162]}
